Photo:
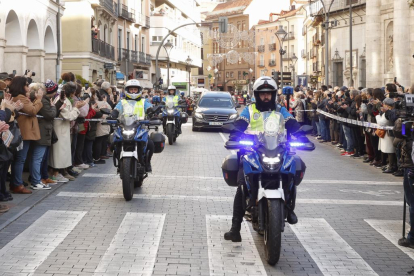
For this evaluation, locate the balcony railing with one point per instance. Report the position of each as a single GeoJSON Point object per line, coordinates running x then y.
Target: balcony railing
{"type": "Point", "coordinates": [103, 49]}
{"type": "Point", "coordinates": [130, 16]}
{"type": "Point", "coordinates": [290, 36]}
{"type": "Point", "coordinates": [143, 20]}
{"type": "Point", "coordinates": [261, 64]}
{"type": "Point", "coordinates": [272, 62]}
{"type": "Point", "coordinates": [272, 47]}
{"type": "Point", "coordinates": [110, 5]}
{"type": "Point", "coordinates": [303, 54]}
{"type": "Point", "coordinates": [148, 59]}
{"type": "Point", "coordinates": [134, 56]}
{"type": "Point", "coordinates": [261, 48]}
{"type": "Point", "coordinates": [147, 22]}
{"type": "Point", "coordinates": [287, 57]}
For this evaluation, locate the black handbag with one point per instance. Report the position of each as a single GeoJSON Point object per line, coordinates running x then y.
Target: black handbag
{"type": "Point", "coordinates": [17, 135]}
{"type": "Point", "coordinates": [54, 138]}
{"type": "Point", "coordinates": [5, 154]}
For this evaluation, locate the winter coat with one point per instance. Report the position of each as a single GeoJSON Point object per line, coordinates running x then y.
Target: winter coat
{"type": "Point", "coordinates": [29, 125]}
{"type": "Point", "coordinates": [103, 130]}
{"type": "Point", "coordinates": [386, 143]}
{"type": "Point", "coordinates": [92, 126]}
{"type": "Point", "coordinates": [46, 123]}
{"type": "Point", "coordinates": [297, 105]}
{"type": "Point", "coordinates": [103, 93]}
{"type": "Point", "coordinates": [61, 154]}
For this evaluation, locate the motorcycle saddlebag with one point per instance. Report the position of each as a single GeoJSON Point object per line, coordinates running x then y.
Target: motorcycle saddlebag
{"type": "Point", "coordinates": [300, 170]}
{"type": "Point", "coordinates": [230, 168]}
{"type": "Point", "coordinates": [159, 141]}
{"type": "Point", "coordinates": [184, 117]}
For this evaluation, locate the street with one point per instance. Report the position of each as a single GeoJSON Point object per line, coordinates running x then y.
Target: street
{"type": "Point", "coordinates": [350, 218]}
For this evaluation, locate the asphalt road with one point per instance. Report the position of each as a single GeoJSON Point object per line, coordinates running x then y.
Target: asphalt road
{"type": "Point", "coordinates": [350, 218]}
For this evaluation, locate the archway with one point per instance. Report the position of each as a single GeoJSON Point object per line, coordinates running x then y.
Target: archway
{"type": "Point", "coordinates": [50, 54]}
{"type": "Point", "coordinates": [35, 54]}
{"type": "Point", "coordinates": [13, 31]}
{"type": "Point", "coordinates": [33, 41]}
{"type": "Point", "coordinates": [13, 57]}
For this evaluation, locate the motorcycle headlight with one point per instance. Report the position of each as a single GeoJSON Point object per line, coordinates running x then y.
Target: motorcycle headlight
{"type": "Point", "coordinates": [233, 116]}
{"type": "Point", "coordinates": [128, 134]}
{"type": "Point", "coordinates": [170, 111]}
{"type": "Point", "coordinates": [198, 115]}
{"type": "Point", "coordinates": [271, 163]}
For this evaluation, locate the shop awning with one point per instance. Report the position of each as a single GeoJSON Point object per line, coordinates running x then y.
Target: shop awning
{"type": "Point", "coordinates": [120, 76]}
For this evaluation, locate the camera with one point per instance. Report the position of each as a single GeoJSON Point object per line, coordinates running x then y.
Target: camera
{"type": "Point", "coordinates": [27, 71]}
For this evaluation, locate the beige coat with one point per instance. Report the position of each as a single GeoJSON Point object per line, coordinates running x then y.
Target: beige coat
{"type": "Point", "coordinates": [60, 154]}
{"type": "Point", "coordinates": [102, 130]}
{"type": "Point", "coordinates": [385, 144]}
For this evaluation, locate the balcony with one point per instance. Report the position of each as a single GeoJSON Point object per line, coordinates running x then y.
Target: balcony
{"type": "Point", "coordinates": [261, 65]}
{"type": "Point", "coordinates": [290, 36]}
{"type": "Point", "coordinates": [125, 14]}
{"type": "Point", "coordinates": [103, 49]}
{"type": "Point", "coordinates": [142, 20]}
{"type": "Point", "coordinates": [261, 48]}
{"type": "Point", "coordinates": [316, 67]}
{"type": "Point", "coordinates": [287, 57]}
{"type": "Point", "coordinates": [303, 54]}
{"type": "Point", "coordinates": [272, 47]}
{"type": "Point", "coordinates": [110, 6]}
{"type": "Point", "coordinates": [135, 57]}
{"type": "Point", "coordinates": [272, 62]}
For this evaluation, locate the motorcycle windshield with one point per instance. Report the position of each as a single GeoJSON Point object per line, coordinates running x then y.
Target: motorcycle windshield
{"type": "Point", "coordinates": [273, 133]}
{"type": "Point", "coordinates": [128, 119]}
{"type": "Point", "coordinates": [170, 102]}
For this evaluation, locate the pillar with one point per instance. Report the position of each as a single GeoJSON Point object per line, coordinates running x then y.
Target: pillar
{"type": "Point", "coordinates": [401, 47]}
{"type": "Point", "coordinates": [373, 37]}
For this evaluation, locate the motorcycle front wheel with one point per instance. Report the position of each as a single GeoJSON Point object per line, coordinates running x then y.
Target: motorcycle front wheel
{"type": "Point", "coordinates": [127, 180]}
{"type": "Point", "coordinates": [273, 230]}
{"type": "Point", "coordinates": [170, 133]}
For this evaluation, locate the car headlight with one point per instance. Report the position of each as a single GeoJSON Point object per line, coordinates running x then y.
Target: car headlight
{"type": "Point", "coordinates": [198, 115]}
{"type": "Point", "coordinates": [233, 116]}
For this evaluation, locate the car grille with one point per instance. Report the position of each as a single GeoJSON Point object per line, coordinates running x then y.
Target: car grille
{"type": "Point", "coordinates": [216, 118]}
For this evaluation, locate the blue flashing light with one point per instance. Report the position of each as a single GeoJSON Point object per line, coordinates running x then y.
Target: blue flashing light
{"type": "Point", "coordinates": [246, 143]}
{"type": "Point", "coordinates": [403, 129]}
{"type": "Point", "coordinates": [296, 144]}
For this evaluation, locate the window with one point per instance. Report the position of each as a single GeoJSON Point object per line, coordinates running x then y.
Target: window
{"type": "Point", "coordinates": [127, 42]}
{"type": "Point", "coordinates": [292, 50]}
{"type": "Point", "coordinates": [143, 44]}
{"type": "Point", "coordinates": [240, 60]}
{"type": "Point", "coordinates": [136, 43]}
{"type": "Point", "coordinates": [285, 69]}
{"type": "Point", "coordinates": [238, 25]}
{"type": "Point", "coordinates": [239, 75]}
{"type": "Point", "coordinates": [292, 29]}
{"type": "Point", "coordinates": [227, 74]}
{"type": "Point", "coordinates": [231, 75]}
{"type": "Point", "coordinates": [273, 39]}
{"type": "Point", "coordinates": [244, 26]}
{"type": "Point", "coordinates": [273, 57]}
{"type": "Point", "coordinates": [261, 60]}
{"type": "Point", "coordinates": [261, 41]}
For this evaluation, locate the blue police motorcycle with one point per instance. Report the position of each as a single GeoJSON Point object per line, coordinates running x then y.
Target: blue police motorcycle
{"type": "Point", "coordinates": [270, 165]}
{"type": "Point", "coordinates": [129, 142]}
{"type": "Point", "coordinates": [172, 119]}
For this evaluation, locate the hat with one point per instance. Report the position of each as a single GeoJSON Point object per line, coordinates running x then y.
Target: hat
{"type": "Point", "coordinates": [51, 87]}
{"type": "Point", "coordinates": [4, 76]}
{"type": "Point", "coordinates": [388, 101]}
{"type": "Point", "coordinates": [99, 82]}
{"type": "Point", "coordinates": [344, 88]}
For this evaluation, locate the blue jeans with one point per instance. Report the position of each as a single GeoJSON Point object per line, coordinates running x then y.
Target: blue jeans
{"type": "Point", "coordinates": [318, 128]}
{"type": "Point", "coordinates": [36, 162]}
{"type": "Point", "coordinates": [349, 139]}
{"type": "Point", "coordinates": [315, 127]}
{"type": "Point", "coordinates": [409, 197]}
{"type": "Point", "coordinates": [18, 164]}
{"type": "Point", "coordinates": [324, 129]}
{"type": "Point", "coordinates": [45, 163]}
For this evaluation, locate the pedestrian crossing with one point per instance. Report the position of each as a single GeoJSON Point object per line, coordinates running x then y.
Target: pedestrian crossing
{"type": "Point", "coordinates": [135, 246]}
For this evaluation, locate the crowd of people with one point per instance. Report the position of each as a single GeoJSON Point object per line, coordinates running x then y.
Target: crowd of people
{"type": "Point", "coordinates": [56, 128]}
{"type": "Point", "coordinates": [383, 149]}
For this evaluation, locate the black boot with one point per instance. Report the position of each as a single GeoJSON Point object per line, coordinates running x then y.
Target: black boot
{"type": "Point", "coordinates": [291, 217]}
{"type": "Point", "coordinates": [148, 168]}
{"type": "Point", "coordinates": [234, 233]}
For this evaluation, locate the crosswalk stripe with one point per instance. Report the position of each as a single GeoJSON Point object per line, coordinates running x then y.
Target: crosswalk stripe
{"type": "Point", "coordinates": [134, 248]}
{"type": "Point", "coordinates": [26, 252]}
{"type": "Point", "coordinates": [226, 257]}
{"type": "Point", "coordinates": [230, 199]}
{"type": "Point", "coordinates": [392, 231]}
{"type": "Point", "coordinates": [331, 253]}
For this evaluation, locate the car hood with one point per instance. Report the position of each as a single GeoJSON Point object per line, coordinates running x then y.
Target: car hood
{"type": "Point", "coordinates": [214, 111]}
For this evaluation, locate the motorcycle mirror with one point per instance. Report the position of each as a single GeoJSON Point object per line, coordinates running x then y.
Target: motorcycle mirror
{"type": "Point", "coordinates": [162, 103]}
{"type": "Point", "coordinates": [106, 111]}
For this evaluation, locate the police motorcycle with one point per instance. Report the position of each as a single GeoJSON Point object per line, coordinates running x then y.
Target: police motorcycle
{"type": "Point", "coordinates": [172, 118]}
{"type": "Point", "coordinates": [129, 143]}
{"type": "Point", "coordinates": [270, 165]}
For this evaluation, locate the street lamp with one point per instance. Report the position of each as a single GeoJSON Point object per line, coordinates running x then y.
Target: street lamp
{"type": "Point", "coordinates": [168, 48]}
{"type": "Point", "coordinates": [281, 34]}
{"type": "Point", "coordinates": [189, 61]}
{"type": "Point", "coordinates": [292, 66]}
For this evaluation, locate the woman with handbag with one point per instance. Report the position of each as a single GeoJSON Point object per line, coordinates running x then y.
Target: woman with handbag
{"type": "Point", "coordinates": [5, 155]}
{"type": "Point", "coordinates": [386, 141]}
{"type": "Point", "coordinates": [29, 128]}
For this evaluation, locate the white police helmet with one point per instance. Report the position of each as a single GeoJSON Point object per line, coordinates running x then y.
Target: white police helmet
{"type": "Point", "coordinates": [133, 83]}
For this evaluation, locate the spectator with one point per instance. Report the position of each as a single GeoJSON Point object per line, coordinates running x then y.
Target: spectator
{"type": "Point", "coordinates": [106, 91]}
{"type": "Point", "coordinates": [30, 132]}
{"type": "Point", "coordinates": [298, 107]}
{"type": "Point", "coordinates": [100, 145]}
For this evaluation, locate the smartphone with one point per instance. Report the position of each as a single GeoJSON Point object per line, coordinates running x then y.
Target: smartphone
{"type": "Point", "coordinates": [395, 79]}
{"type": "Point", "coordinates": [14, 72]}
{"type": "Point", "coordinates": [86, 86]}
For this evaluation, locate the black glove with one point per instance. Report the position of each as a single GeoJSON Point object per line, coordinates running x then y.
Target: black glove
{"type": "Point", "coordinates": [114, 115]}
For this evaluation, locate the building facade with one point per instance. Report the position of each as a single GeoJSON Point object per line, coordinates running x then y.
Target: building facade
{"type": "Point", "coordinates": [29, 40]}
{"type": "Point", "coordinates": [186, 42]}
{"type": "Point", "coordinates": [267, 46]}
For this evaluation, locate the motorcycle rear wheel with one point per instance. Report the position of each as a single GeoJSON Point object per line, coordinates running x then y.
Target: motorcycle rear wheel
{"type": "Point", "coordinates": [170, 134]}
{"type": "Point", "coordinates": [127, 180]}
{"type": "Point", "coordinates": [273, 230]}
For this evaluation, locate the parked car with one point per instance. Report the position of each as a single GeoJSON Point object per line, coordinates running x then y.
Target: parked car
{"type": "Point", "coordinates": [213, 110]}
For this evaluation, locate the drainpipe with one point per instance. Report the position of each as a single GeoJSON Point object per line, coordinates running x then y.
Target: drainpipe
{"type": "Point", "coordinates": [58, 42]}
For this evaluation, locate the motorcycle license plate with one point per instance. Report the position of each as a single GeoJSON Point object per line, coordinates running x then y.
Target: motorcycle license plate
{"type": "Point", "coordinates": [215, 124]}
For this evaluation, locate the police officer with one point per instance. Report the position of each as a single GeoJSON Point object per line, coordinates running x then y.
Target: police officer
{"type": "Point", "coordinates": [265, 89]}
{"type": "Point", "coordinates": [135, 104]}
{"type": "Point", "coordinates": [172, 91]}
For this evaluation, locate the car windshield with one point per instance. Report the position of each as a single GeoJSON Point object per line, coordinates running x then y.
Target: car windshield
{"type": "Point", "coordinates": [216, 102]}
